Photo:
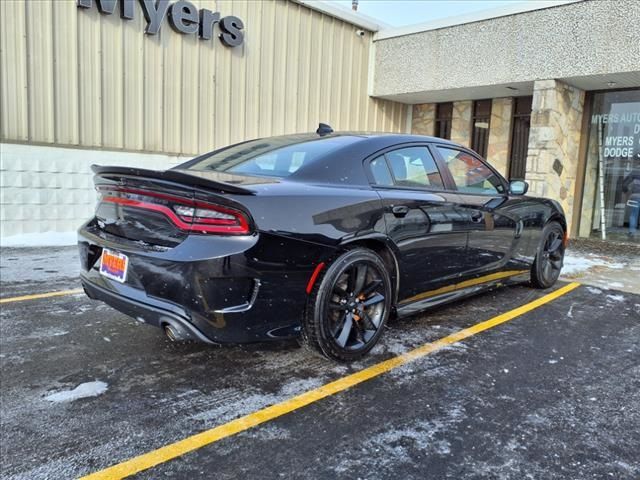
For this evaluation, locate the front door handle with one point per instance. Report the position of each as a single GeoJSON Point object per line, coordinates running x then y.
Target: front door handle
{"type": "Point", "coordinates": [477, 216]}
{"type": "Point", "coordinates": [400, 210]}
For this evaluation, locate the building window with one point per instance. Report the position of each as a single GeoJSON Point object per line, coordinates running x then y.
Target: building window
{"type": "Point", "coordinates": [520, 137]}
{"type": "Point", "coordinates": [444, 113]}
{"type": "Point", "coordinates": [480, 126]}
{"type": "Point", "coordinates": [611, 192]}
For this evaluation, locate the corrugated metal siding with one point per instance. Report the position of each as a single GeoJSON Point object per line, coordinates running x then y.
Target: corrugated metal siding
{"type": "Point", "coordinates": [77, 77]}
{"type": "Point", "coordinates": [13, 72]}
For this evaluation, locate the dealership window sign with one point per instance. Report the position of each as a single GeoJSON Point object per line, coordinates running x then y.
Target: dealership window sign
{"type": "Point", "coordinates": [622, 137]}
{"type": "Point", "coordinates": [183, 17]}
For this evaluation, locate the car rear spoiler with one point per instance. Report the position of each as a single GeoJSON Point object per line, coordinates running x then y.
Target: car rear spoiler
{"type": "Point", "coordinates": [195, 178]}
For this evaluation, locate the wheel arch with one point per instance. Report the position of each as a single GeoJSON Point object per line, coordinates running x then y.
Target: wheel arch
{"type": "Point", "coordinates": [557, 217]}
{"type": "Point", "coordinates": [561, 219]}
{"type": "Point", "coordinates": [383, 247]}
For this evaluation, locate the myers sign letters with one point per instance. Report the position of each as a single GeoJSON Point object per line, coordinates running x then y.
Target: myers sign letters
{"type": "Point", "coordinates": [184, 17]}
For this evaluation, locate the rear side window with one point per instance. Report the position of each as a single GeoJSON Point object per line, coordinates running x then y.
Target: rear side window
{"type": "Point", "coordinates": [381, 173]}
{"type": "Point", "coordinates": [470, 174]}
{"type": "Point", "coordinates": [414, 167]}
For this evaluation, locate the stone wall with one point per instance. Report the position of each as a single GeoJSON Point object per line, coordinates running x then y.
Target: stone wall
{"type": "Point", "coordinates": [424, 119]}
{"type": "Point", "coordinates": [500, 134]}
{"type": "Point", "coordinates": [461, 123]}
{"type": "Point", "coordinates": [554, 142]}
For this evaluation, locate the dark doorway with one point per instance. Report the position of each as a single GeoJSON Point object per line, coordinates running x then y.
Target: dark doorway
{"type": "Point", "coordinates": [480, 122]}
{"type": "Point", "coordinates": [520, 137]}
{"type": "Point", "coordinates": [444, 114]}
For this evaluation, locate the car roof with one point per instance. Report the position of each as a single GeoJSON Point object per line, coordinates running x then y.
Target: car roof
{"type": "Point", "coordinates": [379, 137]}
{"type": "Point", "coordinates": [344, 164]}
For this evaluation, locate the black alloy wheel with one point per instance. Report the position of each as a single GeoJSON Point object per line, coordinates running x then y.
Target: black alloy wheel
{"type": "Point", "coordinates": [348, 309]}
{"type": "Point", "coordinates": [550, 257]}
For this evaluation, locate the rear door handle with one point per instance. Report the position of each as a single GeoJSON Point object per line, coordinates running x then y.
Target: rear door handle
{"type": "Point", "coordinates": [477, 216]}
{"type": "Point", "coordinates": [400, 210]}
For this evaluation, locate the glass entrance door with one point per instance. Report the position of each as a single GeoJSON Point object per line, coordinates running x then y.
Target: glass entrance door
{"type": "Point", "coordinates": [612, 177]}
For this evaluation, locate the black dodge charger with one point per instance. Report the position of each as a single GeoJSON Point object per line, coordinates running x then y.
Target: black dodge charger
{"type": "Point", "coordinates": [322, 236]}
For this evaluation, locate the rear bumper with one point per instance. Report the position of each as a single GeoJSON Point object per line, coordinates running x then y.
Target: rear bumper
{"type": "Point", "coordinates": [210, 288]}
{"type": "Point", "coordinates": [156, 315]}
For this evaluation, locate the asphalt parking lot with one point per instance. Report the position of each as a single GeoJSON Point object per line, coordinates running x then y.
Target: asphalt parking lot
{"type": "Point", "coordinates": [552, 393]}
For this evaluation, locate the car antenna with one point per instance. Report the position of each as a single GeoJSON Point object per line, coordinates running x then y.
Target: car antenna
{"type": "Point", "coordinates": [324, 129]}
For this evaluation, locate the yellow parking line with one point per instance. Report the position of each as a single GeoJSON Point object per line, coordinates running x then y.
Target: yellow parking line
{"type": "Point", "coordinates": [194, 442]}
{"type": "Point", "coordinates": [40, 295]}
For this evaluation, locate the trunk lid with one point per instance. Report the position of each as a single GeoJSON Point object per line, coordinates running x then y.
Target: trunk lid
{"type": "Point", "coordinates": [164, 207]}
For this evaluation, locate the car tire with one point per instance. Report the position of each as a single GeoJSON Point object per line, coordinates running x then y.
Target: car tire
{"type": "Point", "coordinates": [549, 257]}
{"type": "Point", "coordinates": [348, 307]}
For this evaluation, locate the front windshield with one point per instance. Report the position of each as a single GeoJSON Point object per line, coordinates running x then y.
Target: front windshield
{"type": "Point", "coordinates": [273, 157]}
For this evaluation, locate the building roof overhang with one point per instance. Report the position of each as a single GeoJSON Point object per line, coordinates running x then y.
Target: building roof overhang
{"type": "Point", "coordinates": [355, 18]}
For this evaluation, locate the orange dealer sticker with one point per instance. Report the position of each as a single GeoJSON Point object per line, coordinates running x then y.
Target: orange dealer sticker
{"type": "Point", "coordinates": [114, 265]}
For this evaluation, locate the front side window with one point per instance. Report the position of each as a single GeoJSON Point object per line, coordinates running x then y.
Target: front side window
{"type": "Point", "coordinates": [469, 174]}
{"type": "Point", "coordinates": [414, 167]}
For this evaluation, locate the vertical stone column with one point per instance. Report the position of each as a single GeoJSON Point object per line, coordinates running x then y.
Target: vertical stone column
{"type": "Point", "coordinates": [461, 123]}
{"type": "Point", "coordinates": [500, 134]}
{"type": "Point", "coordinates": [424, 119]}
{"type": "Point", "coordinates": [554, 142]}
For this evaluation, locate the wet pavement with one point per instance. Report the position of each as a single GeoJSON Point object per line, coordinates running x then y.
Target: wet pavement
{"type": "Point", "coordinates": [554, 393]}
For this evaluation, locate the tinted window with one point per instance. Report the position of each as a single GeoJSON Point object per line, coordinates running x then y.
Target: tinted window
{"type": "Point", "coordinates": [414, 167]}
{"type": "Point", "coordinates": [380, 171]}
{"type": "Point", "coordinates": [470, 174]}
{"type": "Point", "coordinates": [274, 157]}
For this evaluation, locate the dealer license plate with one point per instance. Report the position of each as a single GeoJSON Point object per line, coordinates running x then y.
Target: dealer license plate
{"type": "Point", "coordinates": [114, 265]}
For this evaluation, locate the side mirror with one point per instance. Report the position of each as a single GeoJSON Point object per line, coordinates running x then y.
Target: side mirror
{"type": "Point", "coordinates": [518, 187]}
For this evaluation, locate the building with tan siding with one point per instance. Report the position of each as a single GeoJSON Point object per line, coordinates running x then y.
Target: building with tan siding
{"type": "Point", "coordinates": [535, 90]}
{"type": "Point", "coordinates": [79, 86]}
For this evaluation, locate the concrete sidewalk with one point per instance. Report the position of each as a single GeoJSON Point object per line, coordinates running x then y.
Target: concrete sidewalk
{"type": "Point", "coordinates": [603, 265]}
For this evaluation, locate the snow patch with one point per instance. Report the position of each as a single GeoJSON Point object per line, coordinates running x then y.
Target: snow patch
{"type": "Point", "coordinates": [45, 239]}
{"type": "Point", "coordinates": [594, 290]}
{"type": "Point", "coordinates": [577, 264]}
{"type": "Point", "coordinates": [616, 298]}
{"type": "Point", "coordinates": [84, 390]}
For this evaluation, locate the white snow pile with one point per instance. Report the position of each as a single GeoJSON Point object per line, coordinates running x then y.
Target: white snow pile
{"type": "Point", "coordinates": [84, 390]}
{"type": "Point", "coordinates": [45, 239]}
{"type": "Point", "coordinates": [574, 264]}
{"type": "Point", "coordinates": [616, 298]}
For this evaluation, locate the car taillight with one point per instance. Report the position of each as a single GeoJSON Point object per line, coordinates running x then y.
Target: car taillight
{"type": "Point", "coordinates": [186, 214]}
{"type": "Point", "coordinates": [206, 219]}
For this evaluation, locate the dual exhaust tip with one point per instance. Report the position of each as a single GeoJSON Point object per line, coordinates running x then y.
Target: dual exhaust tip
{"type": "Point", "coordinates": [171, 333]}
{"type": "Point", "coordinates": [176, 333]}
